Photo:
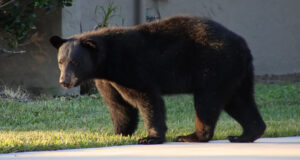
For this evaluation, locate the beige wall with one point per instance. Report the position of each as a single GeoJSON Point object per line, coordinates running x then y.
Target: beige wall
{"type": "Point", "coordinates": [82, 17]}
{"type": "Point", "coordinates": [271, 27]}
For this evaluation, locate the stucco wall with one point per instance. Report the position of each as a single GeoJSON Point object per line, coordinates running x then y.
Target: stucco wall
{"type": "Point", "coordinates": [83, 15]}
{"type": "Point", "coordinates": [271, 27]}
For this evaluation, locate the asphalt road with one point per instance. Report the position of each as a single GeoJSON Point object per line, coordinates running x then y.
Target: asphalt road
{"type": "Point", "coordinates": [283, 148]}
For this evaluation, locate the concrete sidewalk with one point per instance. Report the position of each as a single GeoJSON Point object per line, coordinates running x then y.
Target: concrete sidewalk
{"type": "Point", "coordinates": [263, 149]}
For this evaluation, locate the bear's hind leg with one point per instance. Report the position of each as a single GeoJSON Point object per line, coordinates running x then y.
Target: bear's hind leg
{"type": "Point", "coordinates": [208, 107]}
{"type": "Point", "coordinates": [243, 109]}
{"type": "Point", "coordinates": [124, 116]}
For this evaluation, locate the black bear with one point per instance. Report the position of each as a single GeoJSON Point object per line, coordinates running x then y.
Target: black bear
{"type": "Point", "coordinates": [134, 66]}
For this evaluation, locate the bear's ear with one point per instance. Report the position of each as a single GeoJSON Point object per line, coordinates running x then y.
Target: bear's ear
{"type": "Point", "coordinates": [88, 43]}
{"type": "Point", "coordinates": [56, 41]}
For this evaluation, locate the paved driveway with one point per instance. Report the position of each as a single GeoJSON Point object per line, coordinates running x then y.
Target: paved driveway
{"type": "Point", "coordinates": [265, 148]}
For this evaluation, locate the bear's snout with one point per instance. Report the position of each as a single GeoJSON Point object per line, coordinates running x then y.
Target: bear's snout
{"type": "Point", "coordinates": [64, 83]}
{"type": "Point", "coordinates": [68, 80]}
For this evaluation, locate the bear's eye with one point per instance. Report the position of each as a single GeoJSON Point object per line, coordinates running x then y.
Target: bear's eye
{"type": "Point", "coordinates": [75, 63]}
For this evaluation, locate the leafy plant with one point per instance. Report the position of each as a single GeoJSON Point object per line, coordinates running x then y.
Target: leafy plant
{"type": "Point", "coordinates": [108, 12]}
{"type": "Point", "coordinates": [18, 18]}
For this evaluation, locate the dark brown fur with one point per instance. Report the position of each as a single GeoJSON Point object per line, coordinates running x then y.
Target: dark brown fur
{"type": "Point", "coordinates": [133, 67]}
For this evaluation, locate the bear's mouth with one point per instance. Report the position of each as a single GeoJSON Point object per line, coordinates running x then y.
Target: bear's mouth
{"type": "Point", "coordinates": [66, 85]}
{"type": "Point", "coordinates": [70, 84]}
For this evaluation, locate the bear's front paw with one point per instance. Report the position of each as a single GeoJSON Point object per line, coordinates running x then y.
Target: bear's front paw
{"type": "Point", "coordinates": [151, 140]}
{"type": "Point", "coordinates": [188, 138]}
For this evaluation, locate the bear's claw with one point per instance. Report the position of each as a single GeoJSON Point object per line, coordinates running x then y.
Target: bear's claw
{"type": "Point", "coordinates": [151, 140]}
{"type": "Point", "coordinates": [241, 139]}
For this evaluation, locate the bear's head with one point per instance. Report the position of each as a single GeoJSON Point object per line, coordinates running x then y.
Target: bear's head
{"type": "Point", "coordinates": [77, 59]}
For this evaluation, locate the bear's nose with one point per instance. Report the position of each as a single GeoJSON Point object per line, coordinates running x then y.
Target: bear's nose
{"type": "Point", "coordinates": [64, 84]}
{"type": "Point", "coordinates": [64, 80]}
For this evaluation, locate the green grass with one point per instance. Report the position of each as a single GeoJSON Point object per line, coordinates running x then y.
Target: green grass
{"type": "Point", "coordinates": [85, 122]}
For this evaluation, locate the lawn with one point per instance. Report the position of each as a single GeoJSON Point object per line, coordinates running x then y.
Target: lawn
{"type": "Point", "coordinates": [81, 122]}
